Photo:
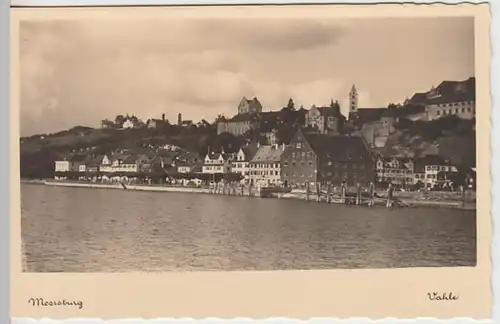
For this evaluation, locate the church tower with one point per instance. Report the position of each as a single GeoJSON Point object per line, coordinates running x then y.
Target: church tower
{"type": "Point", "coordinates": [353, 100]}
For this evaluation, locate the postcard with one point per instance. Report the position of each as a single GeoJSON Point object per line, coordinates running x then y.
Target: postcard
{"type": "Point", "coordinates": [251, 161]}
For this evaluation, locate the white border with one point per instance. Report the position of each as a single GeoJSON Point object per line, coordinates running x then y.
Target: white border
{"type": "Point", "coordinates": [4, 144]}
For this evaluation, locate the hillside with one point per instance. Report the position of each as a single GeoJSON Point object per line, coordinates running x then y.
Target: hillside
{"type": "Point", "coordinates": [38, 152]}
{"type": "Point", "coordinates": [449, 137]}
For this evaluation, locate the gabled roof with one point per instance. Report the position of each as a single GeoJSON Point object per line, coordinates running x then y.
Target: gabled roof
{"type": "Point", "coordinates": [254, 103]}
{"type": "Point", "coordinates": [250, 150]}
{"type": "Point", "coordinates": [267, 153]}
{"type": "Point", "coordinates": [216, 155]}
{"type": "Point", "coordinates": [338, 147]}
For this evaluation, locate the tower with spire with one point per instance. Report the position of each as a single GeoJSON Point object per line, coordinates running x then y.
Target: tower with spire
{"type": "Point", "coordinates": [353, 100]}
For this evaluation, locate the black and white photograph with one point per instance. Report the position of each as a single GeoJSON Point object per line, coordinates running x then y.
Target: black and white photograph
{"type": "Point", "coordinates": [247, 144]}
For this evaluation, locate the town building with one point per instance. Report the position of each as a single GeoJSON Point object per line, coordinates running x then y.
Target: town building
{"type": "Point", "coordinates": [428, 167]}
{"type": "Point", "coordinates": [217, 163]}
{"type": "Point", "coordinates": [325, 119]}
{"type": "Point", "coordinates": [184, 168]}
{"type": "Point", "coordinates": [252, 106]}
{"type": "Point", "coordinates": [202, 123]}
{"type": "Point", "coordinates": [265, 166]}
{"type": "Point", "coordinates": [456, 98]}
{"type": "Point", "coordinates": [238, 125]}
{"type": "Point", "coordinates": [157, 123]}
{"type": "Point", "coordinates": [395, 170]}
{"type": "Point", "coordinates": [131, 122]}
{"type": "Point", "coordinates": [241, 162]}
{"type": "Point", "coordinates": [130, 163]}
{"type": "Point", "coordinates": [324, 158]}
{"type": "Point", "coordinates": [108, 124]}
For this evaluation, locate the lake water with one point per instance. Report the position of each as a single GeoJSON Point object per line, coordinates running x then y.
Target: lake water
{"type": "Point", "coordinates": [98, 230]}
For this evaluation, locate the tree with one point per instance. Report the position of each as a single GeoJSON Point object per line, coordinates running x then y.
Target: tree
{"type": "Point", "coordinates": [291, 104]}
{"type": "Point", "coordinates": [119, 120]}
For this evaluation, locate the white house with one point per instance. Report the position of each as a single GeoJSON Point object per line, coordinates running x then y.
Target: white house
{"type": "Point", "coordinates": [183, 168]}
{"type": "Point", "coordinates": [128, 124]}
{"type": "Point", "coordinates": [241, 162]}
{"type": "Point", "coordinates": [217, 163]}
{"type": "Point", "coordinates": [265, 166]}
{"type": "Point", "coordinates": [395, 170]}
{"type": "Point", "coordinates": [62, 166]}
{"type": "Point", "coordinates": [431, 172]}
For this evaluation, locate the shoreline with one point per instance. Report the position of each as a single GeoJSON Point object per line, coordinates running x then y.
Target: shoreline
{"type": "Point", "coordinates": [409, 202]}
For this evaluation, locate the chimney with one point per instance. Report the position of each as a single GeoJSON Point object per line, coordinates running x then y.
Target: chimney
{"type": "Point", "coordinates": [283, 146]}
{"type": "Point", "coordinates": [222, 149]}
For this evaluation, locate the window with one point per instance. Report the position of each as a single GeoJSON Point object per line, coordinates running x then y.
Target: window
{"type": "Point", "coordinates": [299, 145]}
{"type": "Point", "coordinates": [463, 109]}
{"type": "Point", "coordinates": [438, 112]}
{"type": "Point", "coordinates": [310, 163]}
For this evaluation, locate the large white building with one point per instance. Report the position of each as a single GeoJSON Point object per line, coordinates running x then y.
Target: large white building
{"type": "Point", "coordinates": [265, 167]}
{"type": "Point", "coordinates": [456, 98]}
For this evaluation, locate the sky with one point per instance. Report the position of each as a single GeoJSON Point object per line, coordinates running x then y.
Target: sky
{"type": "Point", "coordinates": [78, 72]}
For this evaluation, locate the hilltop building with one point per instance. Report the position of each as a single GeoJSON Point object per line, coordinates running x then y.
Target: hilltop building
{"type": "Point", "coordinates": [252, 106]}
{"type": "Point", "coordinates": [452, 98]}
{"type": "Point", "coordinates": [325, 120]}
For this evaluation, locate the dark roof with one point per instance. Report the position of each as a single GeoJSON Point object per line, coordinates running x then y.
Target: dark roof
{"type": "Point", "coordinates": [365, 115]}
{"type": "Point", "coordinates": [269, 115]}
{"type": "Point", "coordinates": [131, 159]}
{"type": "Point", "coordinates": [267, 153]}
{"type": "Point", "coordinates": [336, 147]}
{"type": "Point", "coordinates": [243, 117]}
{"type": "Point", "coordinates": [418, 98]}
{"type": "Point", "coordinates": [78, 158]}
{"type": "Point", "coordinates": [447, 92]}
{"type": "Point", "coordinates": [250, 150]}
{"type": "Point", "coordinates": [215, 156]}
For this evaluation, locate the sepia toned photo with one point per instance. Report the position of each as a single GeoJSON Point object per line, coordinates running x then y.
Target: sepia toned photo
{"type": "Point", "coordinates": [204, 139]}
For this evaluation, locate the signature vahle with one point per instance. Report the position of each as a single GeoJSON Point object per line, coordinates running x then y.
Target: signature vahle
{"type": "Point", "coordinates": [442, 296]}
